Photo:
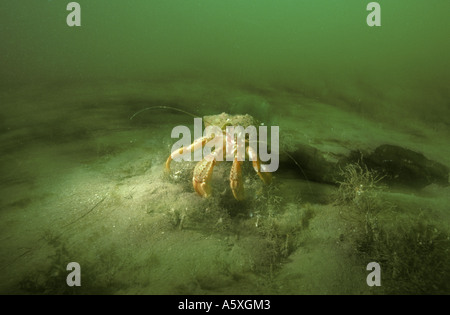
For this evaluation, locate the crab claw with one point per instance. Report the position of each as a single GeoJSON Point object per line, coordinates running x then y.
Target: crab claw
{"type": "Point", "coordinates": [202, 175]}
{"type": "Point", "coordinates": [202, 188]}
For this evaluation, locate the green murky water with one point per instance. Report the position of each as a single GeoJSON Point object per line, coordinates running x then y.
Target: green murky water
{"type": "Point", "coordinates": [82, 182]}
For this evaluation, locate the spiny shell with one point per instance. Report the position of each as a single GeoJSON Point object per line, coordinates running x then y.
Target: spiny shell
{"type": "Point", "coordinates": [231, 120]}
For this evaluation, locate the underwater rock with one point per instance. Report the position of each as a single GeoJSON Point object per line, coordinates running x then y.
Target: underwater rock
{"type": "Point", "coordinates": [311, 163]}
{"type": "Point", "coordinates": [406, 167]}
{"type": "Point", "coordinates": [399, 165]}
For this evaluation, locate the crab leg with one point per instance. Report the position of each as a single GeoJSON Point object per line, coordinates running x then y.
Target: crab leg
{"type": "Point", "coordinates": [266, 177]}
{"type": "Point", "coordinates": [203, 172]}
{"type": "Point", "coordinates": [197, 144]}
{"type": "Point", "coordinates": [236, 183]}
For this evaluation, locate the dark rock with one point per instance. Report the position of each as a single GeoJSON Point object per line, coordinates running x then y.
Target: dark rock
{"type": "Point", "coordinates": [311, 164]}
{"type": "Point", "coordinates": [400, 166]}
{"type": "Point", "coordinates": [406, 167]}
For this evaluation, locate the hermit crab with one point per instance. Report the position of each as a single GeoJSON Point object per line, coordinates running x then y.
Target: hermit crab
{"type": "Point", "coordinates": [225, 149]}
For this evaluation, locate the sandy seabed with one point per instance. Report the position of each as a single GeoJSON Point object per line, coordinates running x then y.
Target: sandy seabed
{"type": "Point", "coordinates": [82, 182]}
